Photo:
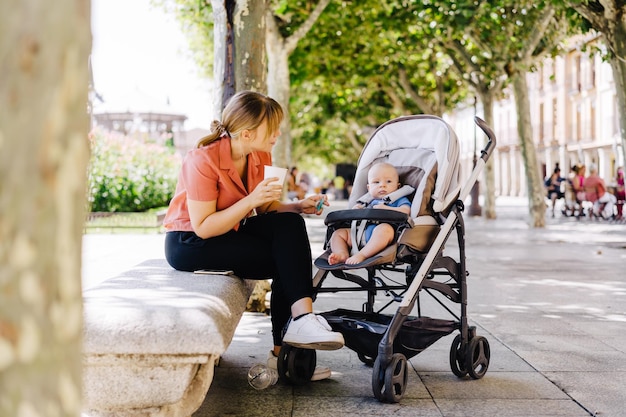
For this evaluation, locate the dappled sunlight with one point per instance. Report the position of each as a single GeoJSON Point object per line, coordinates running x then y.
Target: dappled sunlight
{"type": "Point", "coordinates": [616, 317]}
{"type": "Point", "coordinates": [560, 299]}
{"type": "Point", "coordinates": [596, 286]}
{"type": "Point", "coordinates": [247, 339]}
{"type": "Point", "coordinates": [253, 328]}
{"type": "Point", "coordinates": [511, 307]}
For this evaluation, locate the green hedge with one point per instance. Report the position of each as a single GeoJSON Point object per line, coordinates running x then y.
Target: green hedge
{"type": "Point", "coordinates": [130, 174]}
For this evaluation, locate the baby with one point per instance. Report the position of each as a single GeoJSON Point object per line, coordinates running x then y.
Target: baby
{"type": "Point", "coordinates": [382, 179]}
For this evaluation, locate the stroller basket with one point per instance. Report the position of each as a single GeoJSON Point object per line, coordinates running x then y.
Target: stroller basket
{"type": "Point", "coordinates": [363, 331]}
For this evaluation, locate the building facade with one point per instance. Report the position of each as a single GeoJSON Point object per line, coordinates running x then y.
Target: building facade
{"type": "Point", "coordinates": [574, 118]}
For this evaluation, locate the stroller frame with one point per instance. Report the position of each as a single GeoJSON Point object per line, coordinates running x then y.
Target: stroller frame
{"type": "Point", "coordinates": [387, 341]}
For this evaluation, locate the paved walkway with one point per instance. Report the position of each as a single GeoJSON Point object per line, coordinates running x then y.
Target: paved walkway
{"type": "Point", "coordinates": [551, 302]}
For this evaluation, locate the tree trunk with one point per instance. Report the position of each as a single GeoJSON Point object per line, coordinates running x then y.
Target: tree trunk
{"type": "Point", "coordinates": [535, 187]}
{"type": "Point", "coordinates": [240, 57]}
{"type": "Point", "coordinates": [250, 53]}
{"type": "Point", "coordinates": [278, 87]}
{"type": "Point", "coordinates": [489, 209]}
{"type": "Point", "coordinates": [44, 152]}
{"type": "Point", "coordinates": [618, 64]}
{"type": "Point", "coordinates": [279, 49]}
{"type": "Point", "coordinates": [223, 66]}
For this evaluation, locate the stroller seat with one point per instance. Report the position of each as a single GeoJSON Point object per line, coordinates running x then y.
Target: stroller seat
{"type": "Point", "coordinates": [387, 255]}
{"type": "Point", "coordinates": [425, 152]}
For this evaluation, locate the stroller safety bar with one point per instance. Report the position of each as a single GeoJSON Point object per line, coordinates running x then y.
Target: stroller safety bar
{"type": "Point", "coordinates": [365, 214]}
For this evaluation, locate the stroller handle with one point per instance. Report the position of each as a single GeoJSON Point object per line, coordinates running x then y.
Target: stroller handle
{"type": "Point", "coordinates": [491, 143]}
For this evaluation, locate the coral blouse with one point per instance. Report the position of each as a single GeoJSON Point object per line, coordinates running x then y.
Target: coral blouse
{"type": "Point", "coordinates": [207, 174]}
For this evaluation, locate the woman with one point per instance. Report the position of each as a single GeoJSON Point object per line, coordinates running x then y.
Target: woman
{"type": "Point", "coordinates": [553, 186]}
{"type": "Point", "coordinates": [579, 188]}
{"type": "Point", "coordinates": [224, 215]}
{"type": "Point", "coordinates": [294, 190]}
{"type": "Point", "coordinates": [620, 192]}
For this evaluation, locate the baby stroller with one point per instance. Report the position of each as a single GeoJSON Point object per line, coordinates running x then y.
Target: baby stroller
{"type": "Point", "coordinates": [425, 151]}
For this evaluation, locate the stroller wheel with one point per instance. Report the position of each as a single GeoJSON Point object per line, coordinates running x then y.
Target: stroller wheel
{"type": "Point", "coordinates": [389, 383]}
{"type": "Point", "coordinates": [367, 360]}
{"type": "Point", "coordinates": [457, 358]}
{"type": "Point", "coordinates": [296, 365]}
{"type": "Point", "coordinates": [478, 355]}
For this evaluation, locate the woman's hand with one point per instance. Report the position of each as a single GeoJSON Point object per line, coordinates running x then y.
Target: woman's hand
{"type": "Point", "coordinates": [265, 192]}
{"type": "Point", "coordinates": [313, 204]}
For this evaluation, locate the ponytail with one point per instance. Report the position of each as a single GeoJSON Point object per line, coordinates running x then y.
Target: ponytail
{"type": "Point", "coordinates": [245, 110]}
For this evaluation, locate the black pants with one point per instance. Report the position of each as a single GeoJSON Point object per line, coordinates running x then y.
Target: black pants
{"type": "Point", "coordinates": [274, 245]}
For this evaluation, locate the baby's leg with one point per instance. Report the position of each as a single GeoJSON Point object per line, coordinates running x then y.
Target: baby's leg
{"type": "Point", "coordinates": [382, 236]}
{"type": "Point", "coordinates": [339, 246]}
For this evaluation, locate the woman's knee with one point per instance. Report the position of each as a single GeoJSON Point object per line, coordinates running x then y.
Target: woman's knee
{"type": "Point", "coordinates": [291, 219]}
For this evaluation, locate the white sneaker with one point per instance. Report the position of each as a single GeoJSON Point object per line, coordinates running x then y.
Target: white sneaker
{"type": "Point", "coordinates": [321, 372]}
{"type": "Point", "coordinates": [309, 333]}
{"type": "Point", "coordinates": [322, 320]}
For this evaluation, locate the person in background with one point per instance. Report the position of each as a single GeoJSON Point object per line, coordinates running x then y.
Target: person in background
{"type": "Point", "coordinates": [294, 190]}
{"type": "Point", "coordinates": [595, 192]}
{"type": "Point", "coordinates": [553, 186]}
{"type": "Point", "coordinates": [225, 216]}
{"type": "Point", "coordinates": [339, 183]}
{"type": "Point", "coordinates": [579, 190]}
{"type": "Point", "coordinates": [620, 193]}
{"type": "Point", "coordinates": [305, 182]}
{"type": "Point", "coordinates": [571, 205]}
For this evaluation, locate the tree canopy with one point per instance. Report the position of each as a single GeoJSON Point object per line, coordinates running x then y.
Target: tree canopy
{"type": "Point", "coordinates": [365, 62]}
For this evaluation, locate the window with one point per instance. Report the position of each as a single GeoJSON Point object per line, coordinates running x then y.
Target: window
{"type": "Point", "coordinates": [592, 120]}
{"type": "Point", "coordinates": [577, 73]}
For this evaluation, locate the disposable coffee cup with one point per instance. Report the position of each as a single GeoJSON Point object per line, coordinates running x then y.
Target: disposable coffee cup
{"type": "Point", "coordinates": [271, 171]}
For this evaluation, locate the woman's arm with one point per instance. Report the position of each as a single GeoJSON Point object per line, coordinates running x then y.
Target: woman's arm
{"type": "Point", "coordinates": [307, 205]}
{"type": "Point", "coordinates": [208, 222]}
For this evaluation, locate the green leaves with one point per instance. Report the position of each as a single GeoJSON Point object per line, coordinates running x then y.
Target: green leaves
{"type": "Point", "coordinates": [130, 174]}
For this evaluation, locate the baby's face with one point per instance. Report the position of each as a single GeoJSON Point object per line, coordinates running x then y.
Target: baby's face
{"type": "Point", "coordinates": [381, 181]}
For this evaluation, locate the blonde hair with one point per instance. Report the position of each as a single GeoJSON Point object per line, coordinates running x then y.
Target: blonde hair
{"type": "Point", "coordinates": [245, 110]}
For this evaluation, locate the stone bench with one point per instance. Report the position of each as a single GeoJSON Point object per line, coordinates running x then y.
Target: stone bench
{"type": "Point", "coordinates": [152, 337]}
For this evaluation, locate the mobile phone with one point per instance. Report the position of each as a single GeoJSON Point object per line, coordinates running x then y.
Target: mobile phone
{"type": "Point", "coordinates": [214, 272]}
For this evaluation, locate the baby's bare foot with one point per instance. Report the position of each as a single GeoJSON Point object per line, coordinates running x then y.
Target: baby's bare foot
{"type": "Point", "coordinates": [355, 259]}
{"type": "Point", "coordinates": [337, 258]}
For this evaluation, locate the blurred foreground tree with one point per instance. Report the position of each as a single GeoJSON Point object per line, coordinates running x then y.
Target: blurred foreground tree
{"type": "Point", "coordinates": [44, 153]}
